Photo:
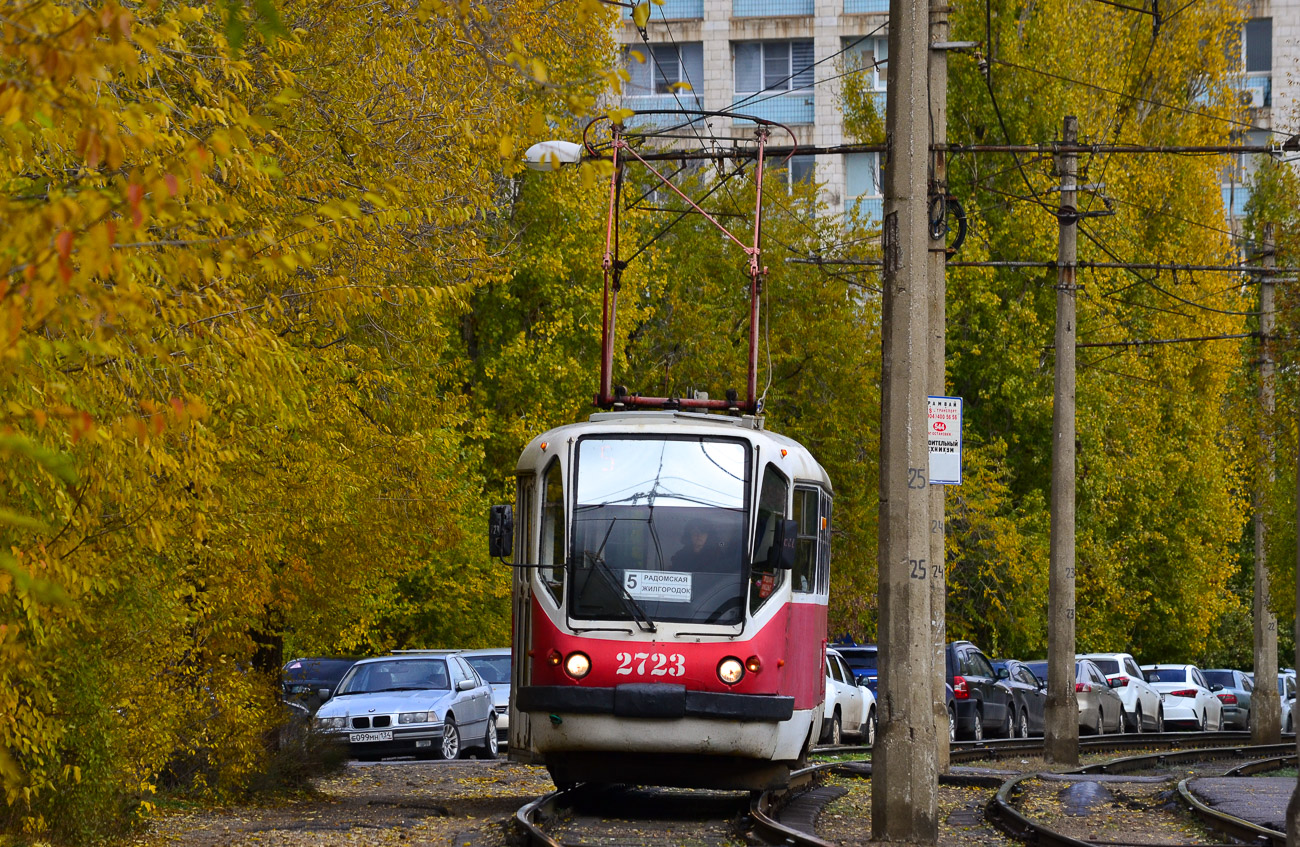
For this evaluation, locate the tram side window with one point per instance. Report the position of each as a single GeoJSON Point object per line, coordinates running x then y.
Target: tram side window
{"type": "Point", "coordinates": [772, 498]}
{"type": "Point", "coordinates": [551, 552]}
{"type": "Point", "coordinates": [524, 518]}
{"type": "Point", "coordinates": [824, 549]}
{"type": "Point", "coordinates": [805, 554]}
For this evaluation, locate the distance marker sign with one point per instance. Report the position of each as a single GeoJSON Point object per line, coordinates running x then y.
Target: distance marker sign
{"type": "Point", "coordinates": [945, 440]}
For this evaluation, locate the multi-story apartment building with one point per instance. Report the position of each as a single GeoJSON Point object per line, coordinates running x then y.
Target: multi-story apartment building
{"type": "Point", "coordinates": [783, 60]}
{"type": "Point", "coordinates": [1269, 82]}
{"type": "Point", "coordinates": [776, 59]}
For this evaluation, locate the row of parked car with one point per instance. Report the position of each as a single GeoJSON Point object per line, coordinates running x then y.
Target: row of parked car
{"type": "Point", "coordinates": [426, 703]}
{"type": "Point", "coordinates": [1007, 697]}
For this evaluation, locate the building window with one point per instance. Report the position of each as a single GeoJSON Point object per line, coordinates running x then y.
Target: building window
{"type": "Point", "coordinates": [1258, 38]}
{"type": "Point", "coordinates": [665, 69]}
{"type": "Point", "coordinates": [864, 185]}
{"type": "Point", "coordinates": [773, 66]}
{"type": "Point", "coordinates": [870, 55]}
{"type": "Point", "coordinates": [800, 169]}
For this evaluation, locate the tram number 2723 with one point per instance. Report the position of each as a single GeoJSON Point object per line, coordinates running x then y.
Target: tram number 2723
{"type": "Point", "coordinates": [661, 664]}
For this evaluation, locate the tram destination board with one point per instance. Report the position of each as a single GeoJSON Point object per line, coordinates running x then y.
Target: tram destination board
{"type": "Point", "coordinates": [944, 436]}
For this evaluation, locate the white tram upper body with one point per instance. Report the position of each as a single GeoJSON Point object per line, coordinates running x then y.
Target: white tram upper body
{"type": "Point", "coordinates": [669, 600]}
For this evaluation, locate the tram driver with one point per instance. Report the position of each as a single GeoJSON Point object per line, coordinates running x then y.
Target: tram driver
{"type": "Point", "coordinates": [696, 553]}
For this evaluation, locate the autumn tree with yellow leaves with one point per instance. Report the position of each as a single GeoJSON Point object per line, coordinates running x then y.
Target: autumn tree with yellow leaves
{"type": "Point", "coordinates": [1160, 471]}
{"type": "Point", "coordinates": [233, 235]}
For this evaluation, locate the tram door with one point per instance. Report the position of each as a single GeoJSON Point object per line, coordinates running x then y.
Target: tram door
{"type": "Point", "coordinates": [810, 581]}
{"type": "Point", "coordinates": [521, 613]}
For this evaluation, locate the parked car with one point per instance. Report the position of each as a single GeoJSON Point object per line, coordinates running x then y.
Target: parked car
{"type": "Point", "coordinates": [952, 712]}
{"type": "Point", "coordinates": [1187, 696]}
{"type": "Point", "coordinates": [1100, 709]}
{"type": "Point", "coordinates": [862, 660]}
{"type": "Point", "coordinates": [850, 709]}
{"type": "Point", "coordinates": [1028, 695]}
{"type": "Point", "coordinates": [493, 665]}
{"type": "Point", "coordinates": [1142, 707]}
{"type": "Point", "coordinates": [1039, 669]}
{"type": "Point", "coordinates": [307, 682]}
{"type": "Point", "coordinates": [983, 706]}
{"type": "Point", "coordinates": [1286, 688]}
{"type": "Point", "coordinates": [1235, 696]}
{"type": "Point", "coordinates": [427, 704]}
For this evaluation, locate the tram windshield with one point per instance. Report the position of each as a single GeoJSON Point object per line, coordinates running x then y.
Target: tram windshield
{"type": "Point", "coordinates": [659, 530]}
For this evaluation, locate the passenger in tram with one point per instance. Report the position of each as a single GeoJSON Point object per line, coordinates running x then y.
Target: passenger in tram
{"type": "Point", "coordinates": [696, 553]}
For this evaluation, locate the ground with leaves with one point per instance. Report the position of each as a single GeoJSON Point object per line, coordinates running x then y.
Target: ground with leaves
{"type": "Point", "coordinates": [435, 803]}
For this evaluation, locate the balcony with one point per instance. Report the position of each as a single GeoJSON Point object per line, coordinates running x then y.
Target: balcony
{"type": "Point", "coordinates": [673, 10]}
{"type": "Point", "coordinates": [684, 100]}
{"type": "Point", "coordinates": [868, 209]}
{"type": "Point", "coordinates": [770, 8]}
{"type": "Point", "coordinates": [1234, 200]}
{"type": "Point", "coordinates": [794, 108]}
{"type": "Point", "coordinates": [866, 7]}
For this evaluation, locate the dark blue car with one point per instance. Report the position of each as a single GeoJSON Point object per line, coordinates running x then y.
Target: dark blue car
{"type": "Point", "coordinates": [862, 661]}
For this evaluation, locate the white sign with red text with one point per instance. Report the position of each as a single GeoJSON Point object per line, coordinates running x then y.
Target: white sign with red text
{"type": "Point", "coordinates": [945, 440]}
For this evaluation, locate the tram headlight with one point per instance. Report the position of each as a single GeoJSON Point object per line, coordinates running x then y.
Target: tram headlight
{"type": "Point", "coordinates": [753, 664]}
{"type": "Point", "coordinates": [730, 670]}
{"type": "Point", "coordinates": [577, 665]}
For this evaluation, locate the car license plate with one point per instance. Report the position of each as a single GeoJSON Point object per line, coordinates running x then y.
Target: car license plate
{"type": "Point", "coordinates": [360, 737]}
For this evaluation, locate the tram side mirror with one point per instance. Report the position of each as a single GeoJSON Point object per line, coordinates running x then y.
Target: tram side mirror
{"type": "Point", "coordinates": [782, 553]}
{"type": "Point", "coordinates": [501, 531]}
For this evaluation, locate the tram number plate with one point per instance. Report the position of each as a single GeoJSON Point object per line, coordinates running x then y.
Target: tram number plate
{"type": "Point", "coordinates": [651, 664]}
{"type": "Point", "coordinates": [386, 735]}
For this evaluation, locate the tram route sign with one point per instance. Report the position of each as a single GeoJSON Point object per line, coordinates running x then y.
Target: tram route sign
{"type": "Point", "coordinates": [944, 436]}
{"type": "Point", "coordinates": [665, 586]}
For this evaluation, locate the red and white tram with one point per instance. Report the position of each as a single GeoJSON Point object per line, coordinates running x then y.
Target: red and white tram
{"type": "Point", "coordinates": [669, 601]}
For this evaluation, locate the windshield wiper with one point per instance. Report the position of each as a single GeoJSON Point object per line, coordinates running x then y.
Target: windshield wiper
{"type": "Point", "coordinates": [629, 602]}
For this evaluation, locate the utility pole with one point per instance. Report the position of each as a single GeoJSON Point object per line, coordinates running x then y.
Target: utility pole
{"type": "Point", "coordinates": [905, 803]}
{"type": "Point", "coordinates": [1293, 808]}
{"type": "Point", "coordinates": [1062, 720]}
{"type": "Point", "coordinates": [938, 293]}
{"type": "Point", "coordinates": [1266, 705]}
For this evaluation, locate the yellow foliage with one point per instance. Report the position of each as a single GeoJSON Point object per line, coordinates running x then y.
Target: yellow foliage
{"type": "Point", "coordinates": [227, 282]}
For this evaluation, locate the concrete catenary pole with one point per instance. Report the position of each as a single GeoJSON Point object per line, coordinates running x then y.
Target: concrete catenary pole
{"type": "Point", "coordinates": [1062, 719]}
{"type": "Point", "coordinates": [904, 802]}
{"type": "Point", "coordinates": [1266, 705]}
{"type": "Point", "coordinates": [1293, 808]}
{"type": "Point", "coordinates": [939, 367]}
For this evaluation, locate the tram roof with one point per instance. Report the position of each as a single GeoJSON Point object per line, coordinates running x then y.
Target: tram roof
{"type": "Point", "coordinates": [800, 463]}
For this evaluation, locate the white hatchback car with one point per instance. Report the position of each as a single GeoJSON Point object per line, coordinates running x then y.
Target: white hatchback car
{"type": "Point", "coordinates": [849, 709]}
{"type": "Point", "coordinates": [1143, 711]}
{"type": "Point", "coordinates": [1187, 697]}
{"type": "Point", "coordinates": [1286, 689]}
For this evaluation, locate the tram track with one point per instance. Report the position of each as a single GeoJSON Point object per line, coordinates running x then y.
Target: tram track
{"type": "Point", "coordinates": [761, 813]}
{"type": "Point", "coordinates": [1004, 809]}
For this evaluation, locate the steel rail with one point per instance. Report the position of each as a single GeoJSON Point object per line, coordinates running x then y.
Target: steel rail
{"type": "Point", "coordinates": [1002, 811]}
{"type": "Point", "coordinates": [1137, 763]}
{"type": "Point", "coordinates": [764, 805]}
{"type": "Point", "coordinates": [967, 751]}
{"type": "Point", "coordinates": [526, 819]}
{"type": "Point", "coordinates": [1262, 765]}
